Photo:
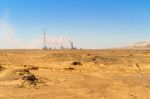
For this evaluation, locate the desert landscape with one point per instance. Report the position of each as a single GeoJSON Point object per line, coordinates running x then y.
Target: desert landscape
{"type": "Point", "coordinates": [74, 49]}
{"type": "Point", "coordinates": [75, 74]}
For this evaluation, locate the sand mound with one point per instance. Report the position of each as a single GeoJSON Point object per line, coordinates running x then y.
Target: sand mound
{"type": "Point", "coordinates": [25, 77]}
{"type": "Point", "coordinates": [104, 59]}
{"type": "Point", "coordinates": [31, 67]}
{"type": "Point", "coordinates": [1, 68]}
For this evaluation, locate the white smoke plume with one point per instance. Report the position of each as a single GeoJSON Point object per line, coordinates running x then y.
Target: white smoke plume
{"type": "Point", "coordinates": [57, 42]}
{"type": "Point", "coordinates": [8, 39]}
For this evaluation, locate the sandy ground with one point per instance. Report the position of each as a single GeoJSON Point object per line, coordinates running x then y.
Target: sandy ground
{"type": "Point", "coordinates": [75, 74]}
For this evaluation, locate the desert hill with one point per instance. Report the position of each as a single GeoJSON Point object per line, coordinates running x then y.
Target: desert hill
{"type": "Point", "coordinates": [141, 45]}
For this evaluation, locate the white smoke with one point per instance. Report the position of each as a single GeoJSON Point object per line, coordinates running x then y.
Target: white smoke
{"type": "Point", "coordinates": [9, 40]}
{"type": "Point", "coordinates": [57, 42]}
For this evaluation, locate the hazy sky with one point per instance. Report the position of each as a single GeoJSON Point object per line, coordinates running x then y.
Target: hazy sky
{"type": "Point", "coordinates": [89, 23]}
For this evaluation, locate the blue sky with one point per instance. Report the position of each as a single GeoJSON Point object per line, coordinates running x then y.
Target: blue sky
{"type": "Point", "coordinates": [89, 23]}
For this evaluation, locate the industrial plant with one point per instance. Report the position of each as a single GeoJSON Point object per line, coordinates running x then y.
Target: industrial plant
{"type": "Point", "coordinates": [60, 43]}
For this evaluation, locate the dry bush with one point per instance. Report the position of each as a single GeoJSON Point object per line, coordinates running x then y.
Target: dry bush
{"type": "Point", "coordinates": [76, 63]}
{"type": "Point", "coordinates": [69, 68]}
{"type": "Point", "coordinates": [31, 67]}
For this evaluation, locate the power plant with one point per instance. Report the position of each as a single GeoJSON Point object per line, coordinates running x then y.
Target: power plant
{"type": "Point", "coordinates": [58, 43]}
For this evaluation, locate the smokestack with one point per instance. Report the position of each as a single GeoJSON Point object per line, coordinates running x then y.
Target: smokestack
{"type": "Point", "coordinates": [71, 45]}
{"type": "Point", "coordinates": [44, 41]}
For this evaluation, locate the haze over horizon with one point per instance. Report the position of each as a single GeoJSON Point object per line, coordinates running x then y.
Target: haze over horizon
{"type": "Point", "coordinates": [89, 23]}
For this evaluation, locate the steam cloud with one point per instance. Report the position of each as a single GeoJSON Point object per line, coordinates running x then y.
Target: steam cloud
{"type": "Point", "coordinates": [57, 42]}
